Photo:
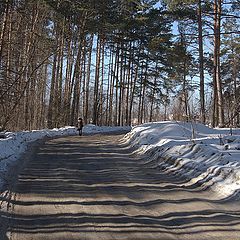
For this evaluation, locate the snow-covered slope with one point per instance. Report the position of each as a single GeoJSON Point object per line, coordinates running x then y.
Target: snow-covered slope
{"type": "Point", "coordinates": [206, 156]}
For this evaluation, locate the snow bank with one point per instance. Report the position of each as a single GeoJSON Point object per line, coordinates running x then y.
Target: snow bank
{"type": "Point", "coordinates": [92, 129]}
{"type": "Point", "coordinates": [210, 157]}
{"type": "Point", "coordinates": [15, 144]}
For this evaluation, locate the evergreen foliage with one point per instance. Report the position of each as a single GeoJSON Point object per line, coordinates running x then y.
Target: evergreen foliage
{"type": "Point", "coordinates": [118, 62]}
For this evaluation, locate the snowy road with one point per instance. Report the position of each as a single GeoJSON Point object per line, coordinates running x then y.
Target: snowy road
{"type": "Point", "coordinates": [93, 188]}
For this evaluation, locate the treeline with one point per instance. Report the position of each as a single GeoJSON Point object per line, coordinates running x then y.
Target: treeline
{"type": "Point", "coordinates": [209, 33]}
{"type": "Point", "coordinates": [118, 62]}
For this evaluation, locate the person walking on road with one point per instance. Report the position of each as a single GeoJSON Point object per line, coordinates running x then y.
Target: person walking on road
{"type": "Point", "coordinates": [80, 126]}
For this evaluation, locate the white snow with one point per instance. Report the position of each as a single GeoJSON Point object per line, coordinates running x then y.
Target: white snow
{"type": "Point", "coordinates": [16, 143]}
{"type": "Point", "coordinates": [210, 157]}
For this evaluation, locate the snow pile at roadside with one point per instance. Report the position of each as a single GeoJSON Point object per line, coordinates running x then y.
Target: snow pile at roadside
{"type": "Point", "coordinates": [93, 129]}
{"type": "Point", "coordinates": [210, 157]}
{"type": "Point", "coordinates": [14, 144]}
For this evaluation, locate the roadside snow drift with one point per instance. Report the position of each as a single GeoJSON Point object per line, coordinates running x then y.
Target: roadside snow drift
{"type": "Point", "coordinates": [14, 144]}
{"type": "Point", "coordinates": [210, 157]}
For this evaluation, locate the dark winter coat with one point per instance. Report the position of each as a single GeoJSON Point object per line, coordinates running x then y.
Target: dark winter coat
{"type": "Point", "coordinates": [80, 124]}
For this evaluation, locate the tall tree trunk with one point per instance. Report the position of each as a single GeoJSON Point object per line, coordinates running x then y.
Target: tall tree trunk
{"type": "Point", "coordinates": [107, 116]}
{"type": "Point", "coordinates": [140, 95]}
{"type": "Point", "coordinates": [77, 74]}
{"type": "Point", "coordinates": [201, 70]}
{"type": "Point", "coordinates": [153, 95]}
{"type": "Point", "coordinates": [68, 76]}
{"type": "Point", "coordinates": [86, 105]}
{"type": "Point", "coordinates": [30, 61]}
{"type": "Point", "coordinates": [129, 77]}
{"type": "Point", "coordinates": [235, 92]}
{"type": "Point", "coordinates": [116, 74]}
{"type": "Point", "coordinates": [113, 68]}
{"type": "Point", "coordinates": [145, 82]}
{"type": "Point", "coordinates": [214, 99]}
{"type": "Point", "coordinates": [59, 107]}
{"type": "Point", "coordinates": [76, 79]}
{"type": "Point", "coordinates": [96, 84]}
{"type": "Point", "coordinates": [102, 82]}
{"type": "Point", "coordinates": [185, 91]}
{"type": "Point", "coordinates": [124, 85]}
{"type": "Point", "coordinates": [134, 81]}
{"type": "Point", "coordinates": [217, 25]}
{"type": "Point", "coordinates": [132, 94]}
{"type": "Point", "coordinates": [52, 93]}
{"type": "Point", "coordinates": [120, 103]}
{"type": "Point", "coordinates": [78, 87]}
{"type": "Point", "coordinates": [4, 27]}
{"type": "Point", "coordinates": [42, 97]}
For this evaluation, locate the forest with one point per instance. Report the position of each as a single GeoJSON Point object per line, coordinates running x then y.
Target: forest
{"type": "Point", "coordinates": [118, 62]}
